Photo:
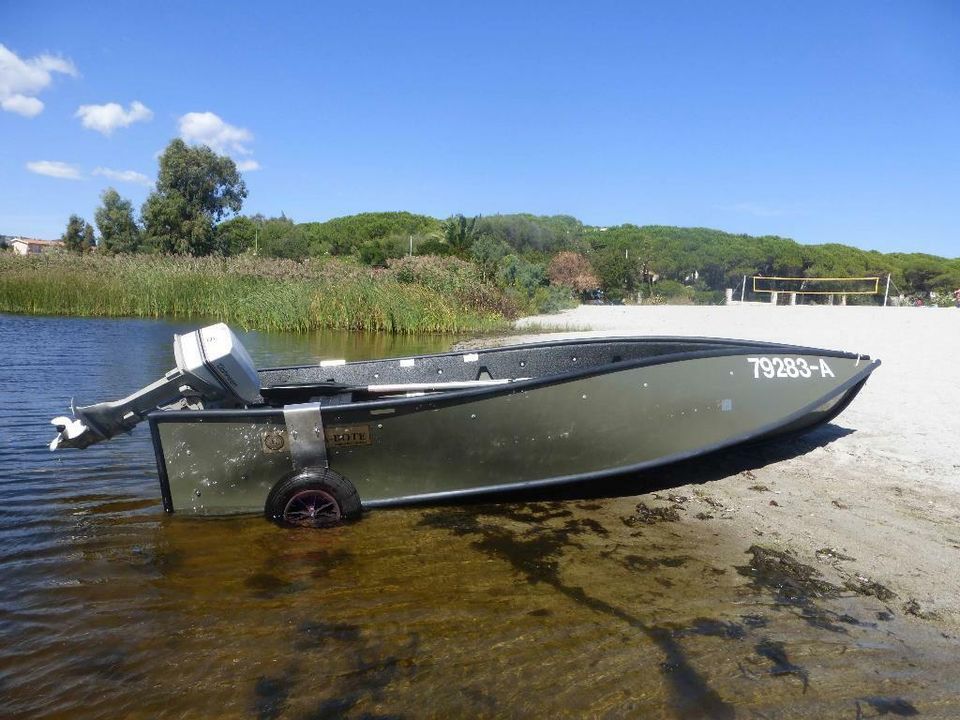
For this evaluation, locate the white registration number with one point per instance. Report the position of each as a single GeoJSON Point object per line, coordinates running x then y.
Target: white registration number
{"type": "Point", "coordinates": [788, 367]}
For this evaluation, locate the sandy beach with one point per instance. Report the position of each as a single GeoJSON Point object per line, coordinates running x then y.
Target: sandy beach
{"type": "Point", "coordinates": [872, 501]}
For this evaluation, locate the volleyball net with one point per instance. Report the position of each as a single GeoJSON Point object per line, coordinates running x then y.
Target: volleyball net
{"type": "Point", "coordinates": [817, 286]}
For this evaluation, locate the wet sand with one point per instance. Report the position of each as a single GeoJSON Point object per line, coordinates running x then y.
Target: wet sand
{"type": "Point", "coordinates": [872, 501]}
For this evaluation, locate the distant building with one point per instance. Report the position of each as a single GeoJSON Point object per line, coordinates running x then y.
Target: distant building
{"type": "Point", "coordinates": [30, 246]}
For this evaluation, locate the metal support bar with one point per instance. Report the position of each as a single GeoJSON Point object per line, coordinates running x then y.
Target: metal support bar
{"type": "Point", "coordinates": [308, 444]}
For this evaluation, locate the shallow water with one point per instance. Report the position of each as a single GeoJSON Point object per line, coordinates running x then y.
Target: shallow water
{"type": "Point", "coordinates": [584, 602]}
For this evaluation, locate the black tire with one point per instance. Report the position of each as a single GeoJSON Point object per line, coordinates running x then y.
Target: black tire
{"type": "Point", "coordinates": [315, 497]}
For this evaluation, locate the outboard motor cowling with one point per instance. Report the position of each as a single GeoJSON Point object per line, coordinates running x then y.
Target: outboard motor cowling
{"type": "Point", "coordinates": [213, 370]}
{"type": "Point", "coordinates": [214, 357]}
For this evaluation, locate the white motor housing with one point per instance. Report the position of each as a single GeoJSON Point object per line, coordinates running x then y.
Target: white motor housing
{"type": "Point", "coordinates": [213, 368]}
{"type": "Point", "coordinates": [214, 356]}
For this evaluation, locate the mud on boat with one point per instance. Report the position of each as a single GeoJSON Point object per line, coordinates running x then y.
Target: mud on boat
{"type": "Point", "coordinates": [313, 444]}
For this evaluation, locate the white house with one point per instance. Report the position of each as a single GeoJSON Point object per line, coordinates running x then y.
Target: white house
{"type": "Point", "coordinates": [30, 246]}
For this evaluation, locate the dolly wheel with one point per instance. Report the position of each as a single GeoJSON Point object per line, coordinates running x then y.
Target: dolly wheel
{"type": "Point", "coordinates": [314, 498]}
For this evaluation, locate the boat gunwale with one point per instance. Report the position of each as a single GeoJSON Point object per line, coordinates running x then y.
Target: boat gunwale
{"type": "Point", "coordinates": [593, 340]}
{"type": "Point", "coordinates": [447, 398]}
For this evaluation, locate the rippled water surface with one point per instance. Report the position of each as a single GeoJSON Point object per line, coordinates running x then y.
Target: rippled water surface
{"type": "Point", "coordinates": [585, 602]}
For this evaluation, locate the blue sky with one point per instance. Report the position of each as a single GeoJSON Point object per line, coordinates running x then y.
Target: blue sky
{"type": "Point", "coordinates": [821, 121]}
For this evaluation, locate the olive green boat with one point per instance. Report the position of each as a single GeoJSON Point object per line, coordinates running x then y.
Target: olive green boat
{"type": "Point", "coordinates": [314, 444]}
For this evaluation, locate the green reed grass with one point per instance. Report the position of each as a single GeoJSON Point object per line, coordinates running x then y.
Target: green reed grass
{"type": "Point", "coordinates": [252, 293]}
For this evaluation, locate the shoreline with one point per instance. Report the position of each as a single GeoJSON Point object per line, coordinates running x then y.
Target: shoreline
{"type": "Point", "coordinates": [872, 500]}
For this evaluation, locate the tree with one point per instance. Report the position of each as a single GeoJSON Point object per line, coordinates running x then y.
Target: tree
{"type": "Point", "coordinates": [236, 235]}
{"type": "Point", "coordinates": [487, 252]}
{"type": "Point", "coordinates": [572, 270]}
{"type": "Point", "coordinates": [195, 189]}
{"type": "Point", "coordinates": [79, 236]}
{"type": "Point", "coordinates": [280, 237]}
{"type": "Point", "coordinates": [920, 272]}
{"type": "Point", "coordinates": [460, 233]}
{"type": "Point", "coordinates": [524, 233]}
{"type": "Point", "coordinates": [619, 273]}
{"type": "Point", "coordinates": [345, 235]}
{"type": "Point", "coordinates": [118, 230]}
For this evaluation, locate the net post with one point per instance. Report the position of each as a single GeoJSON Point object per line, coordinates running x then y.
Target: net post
{"type": "Point", "coordinates": [886, 293]}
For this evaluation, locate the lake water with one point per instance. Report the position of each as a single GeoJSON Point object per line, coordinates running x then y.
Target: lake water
{"type": "Point", "coordinates": [596, 601]}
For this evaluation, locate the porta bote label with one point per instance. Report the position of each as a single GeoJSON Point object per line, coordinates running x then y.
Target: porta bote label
{"type": "Point", "coordinates": [275, 441]}
{"type": "Point", "coordinates": [347, 435]}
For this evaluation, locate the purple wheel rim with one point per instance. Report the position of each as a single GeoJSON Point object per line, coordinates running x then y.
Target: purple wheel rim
{"type": "Point", "coordinates": [312, 508]}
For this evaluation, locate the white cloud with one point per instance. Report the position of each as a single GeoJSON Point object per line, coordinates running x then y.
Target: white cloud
{"type": "Point", "coordinates": [207, 128]}
{"type": "Point", "coordinates": [129, 176]}
{"type": "Point", "coordinates": [22, 105]}
{"type": "Point", "coordinates": [107, 118]}
{"type": "Point", "coordinates": [21, 80]}
{"type": "Point", "coordinates": [55, 169]}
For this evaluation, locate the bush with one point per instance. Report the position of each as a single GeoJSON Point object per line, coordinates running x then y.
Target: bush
{"type": "Point", "coordinates": [522, 274]}
{"type": "Point", "coordinates": [673, 290]}
{"type": "Point", "coordinates": [378, 252]}
{"type": "Point", "coordinates": [280, 238]}
{"type": "Point", "coordinates": [487, 252]}
{"type": "Point", "coordinates": [454, 277]}
{"type": "Point", "coordinates": [553, 298]}
{"type": "Point", "coordinates": [709, 297]}
{"type": "Point", "coordinates": [432, 246]}
{"type": "Point", "coordinates": [574, 271]}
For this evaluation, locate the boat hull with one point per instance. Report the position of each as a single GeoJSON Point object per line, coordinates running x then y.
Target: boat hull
{"type": "Point", "coordinates": [575, 426]}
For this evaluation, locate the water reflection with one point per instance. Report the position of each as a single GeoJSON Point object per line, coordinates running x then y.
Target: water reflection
{"type": "Point", "coordinates": [551, 608]}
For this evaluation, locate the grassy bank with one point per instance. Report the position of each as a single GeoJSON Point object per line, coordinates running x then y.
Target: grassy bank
{"type": "Point", "coordinates": [413, 295]}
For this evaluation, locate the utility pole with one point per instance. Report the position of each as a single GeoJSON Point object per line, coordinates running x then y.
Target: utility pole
{"type": "Point", "coordinates": [411, 246]}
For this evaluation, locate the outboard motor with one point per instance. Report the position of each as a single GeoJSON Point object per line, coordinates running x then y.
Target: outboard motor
{"type": "Point", "coordinates": [213, 370]}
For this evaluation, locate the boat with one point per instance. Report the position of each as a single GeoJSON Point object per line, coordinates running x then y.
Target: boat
{"type": "Point", "coordinates": [315, 444]}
